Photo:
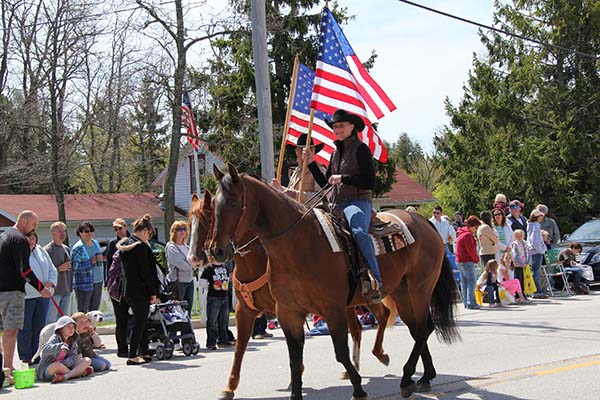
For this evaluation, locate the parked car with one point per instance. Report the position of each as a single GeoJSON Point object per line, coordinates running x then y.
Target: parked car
{"type": "Point", "coordinates": [588, 235]}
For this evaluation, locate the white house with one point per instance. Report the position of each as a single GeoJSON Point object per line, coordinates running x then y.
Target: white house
{"type": "Point", "coordinates": [185, 182]}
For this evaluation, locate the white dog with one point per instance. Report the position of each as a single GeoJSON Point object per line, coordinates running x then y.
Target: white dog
{"type": "Point", "coordinates": [48, 331]}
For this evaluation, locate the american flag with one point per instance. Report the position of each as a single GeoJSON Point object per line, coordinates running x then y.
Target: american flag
{"type": "Point", "coordinates": [187, 119]}
{"type": "Point", "coordinates": [342, 82]}
{"type": "Point", "coordinates": [300, 116]}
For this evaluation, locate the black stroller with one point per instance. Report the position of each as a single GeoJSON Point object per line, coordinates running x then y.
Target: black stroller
{"type": "Point", "coordinates": [169, 322]}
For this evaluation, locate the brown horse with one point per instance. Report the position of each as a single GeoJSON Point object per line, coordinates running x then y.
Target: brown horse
{"type": "Point", "coordinates": [306, 276]}
{"type": "Point", "coordinates": [252, 291]}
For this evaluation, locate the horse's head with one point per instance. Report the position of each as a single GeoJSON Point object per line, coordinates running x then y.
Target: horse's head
{"type": "Point", "coordinates": [199, 220]}
{"type": "Point", "coordinates": [228, 210]}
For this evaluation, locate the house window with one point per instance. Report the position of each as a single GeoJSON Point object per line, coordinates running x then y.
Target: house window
{"type": "Point", "coordinates": [201, 170]}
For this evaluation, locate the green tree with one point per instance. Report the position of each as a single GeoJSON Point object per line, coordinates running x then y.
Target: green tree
{"type": "Point", "coordinates": [528, 123]}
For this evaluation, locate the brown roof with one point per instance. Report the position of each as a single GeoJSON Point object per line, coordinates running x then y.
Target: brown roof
{"type": "Point", "coordinates": [82, 207]}
{"type": "Point", "coordinates": [407, 191]}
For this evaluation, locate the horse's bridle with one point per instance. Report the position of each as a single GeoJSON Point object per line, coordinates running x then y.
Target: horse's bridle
{"type": "Point", "coordinates": [252, 244]}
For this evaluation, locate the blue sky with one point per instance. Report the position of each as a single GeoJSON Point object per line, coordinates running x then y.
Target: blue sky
{"type": "Point", "coordinates": [422, 58]}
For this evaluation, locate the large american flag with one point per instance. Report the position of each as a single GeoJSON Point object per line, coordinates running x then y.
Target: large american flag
{"type": "Point", "coordinates": [187, 119]}
{"type": "Point", "coordinates": [300, 116]}
{"type": "Point", "coordinates": [342, 82]}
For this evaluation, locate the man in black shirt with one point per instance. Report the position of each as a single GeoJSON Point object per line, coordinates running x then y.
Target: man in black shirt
{"type": "Point", "coordinates": [14, 272]}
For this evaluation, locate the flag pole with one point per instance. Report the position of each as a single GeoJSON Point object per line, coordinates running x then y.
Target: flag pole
{"type": "Point", "coordinates": [287, 118]}
{"type": "Point", "coordinates": [305, 161]}
{"type": "Point", "coordinates": [196, 169]}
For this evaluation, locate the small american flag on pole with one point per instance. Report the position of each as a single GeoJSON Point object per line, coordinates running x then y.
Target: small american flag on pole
{"type": "Point", "coordinates": [188, 120]}
{"type": "Point", "coordinates": [342, 82]}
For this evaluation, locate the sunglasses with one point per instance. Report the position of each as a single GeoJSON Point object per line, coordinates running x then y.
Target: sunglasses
{"type": "Point", "coordinates": [182, 229]}
{"type": "Point", "coordinates": [436, 213]}
{"type": "Point", "coordinates": [514, 206]}
{"type": "Point", "coordinates": [497, 215]}
{"type": "Point", "coordinates": [117, 228]}
{"type": "Point", "coordinates": [87, 231]}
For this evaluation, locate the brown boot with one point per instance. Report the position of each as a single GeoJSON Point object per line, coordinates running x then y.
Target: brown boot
{"type": "Point", "coordinates": [373, 296]}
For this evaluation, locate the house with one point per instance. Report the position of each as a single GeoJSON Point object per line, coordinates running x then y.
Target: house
{"type": "Point", "coordinates": [405, 192]}
{"type": "Point", "coordinates": [185, 181]}
{"type": "Point", "coordinates": [100, 209]}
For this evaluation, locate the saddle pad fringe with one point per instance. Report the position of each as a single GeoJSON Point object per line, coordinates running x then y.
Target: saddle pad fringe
{"type": "Point", "coordinates": [328, 229]}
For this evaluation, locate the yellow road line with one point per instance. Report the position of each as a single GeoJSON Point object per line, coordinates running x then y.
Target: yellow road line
{"type": "Point", "coordinates": [567, 368]}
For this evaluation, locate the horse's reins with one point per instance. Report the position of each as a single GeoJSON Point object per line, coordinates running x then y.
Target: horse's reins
{"type": "Point", "coordinates": [244, 249]}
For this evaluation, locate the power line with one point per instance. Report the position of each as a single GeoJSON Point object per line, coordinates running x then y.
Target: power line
{"type": "Point", "coordinates": [468, 21]}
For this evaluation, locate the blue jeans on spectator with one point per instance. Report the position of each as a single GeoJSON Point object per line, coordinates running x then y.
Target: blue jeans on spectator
{"type": "Point", "coordinates": [186, 292]}
{"type": "Point", "coordinates": [492, 292]}
{"type": "Point", "coordinates": [577, 273]}
{"type": "Point", "coordinates": [358, 215]}
{"type": "Point", "coordinates": [64, 302]}
{"type": "Point", "coordinates": [96, 296]}
{"type": "Point", "coordinates": [217, 320]}
{"type": "Point", "coordinates": [536, 267]}
{"type": "Point", "coordinates": [100, 363]}
{"type": "Point", "coordinates": [467, 283]}
{"type": "Point", "coordinates": [28, 338]}
{"type": "Point", "coordinates": [84, 301]}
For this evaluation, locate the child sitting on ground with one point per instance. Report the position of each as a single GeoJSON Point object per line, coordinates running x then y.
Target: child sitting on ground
{"type": "Point", "coordinates": [59, 359]}
{"type": "Point", "coordinates": [488, 282]}
{"type": "Point", "coordinates": [506, 278]}
{"type": "Point", "coordinates": [85, 342]}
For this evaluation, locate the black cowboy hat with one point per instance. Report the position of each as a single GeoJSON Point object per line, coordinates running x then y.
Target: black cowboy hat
{"type": "Point", "coordinates": [302, 142]}
{"type": "Point", "coordinates": [345, 116]}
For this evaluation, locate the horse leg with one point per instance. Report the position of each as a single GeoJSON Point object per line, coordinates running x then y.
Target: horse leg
{"type": "Point", "coordinates": [338, 329]}
{"type": "Point", "coordinates": [292, 325]}
{"type": "Point", "coordinates": [429, 372]}
{"type": "Point", "coordinates": [244, 318]}
{"type": "Point", "coordinates": [382, 314]}
{"type": "Point", "coordinates": [356, 333]}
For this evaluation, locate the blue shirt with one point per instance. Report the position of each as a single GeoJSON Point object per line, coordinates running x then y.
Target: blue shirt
{"type": "Point", "coordinates": [98, 268]}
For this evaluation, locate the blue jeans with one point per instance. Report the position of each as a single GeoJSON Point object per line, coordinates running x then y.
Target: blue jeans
{"type": "Point", "coordinates": [217, 320]}
{"type": "Point", "coordinates": [186, 292]}
{"type": "Point", "coordinates": [100, 363]}
{"type": "Point", "coordinates": [536, 267]}
{"type": "Point", "coordinates": [358, 215]}
{"type": "Point", "coordinates": [28, 339]}
{"type": "Point", "coordinates": [96, 296]}
{"type": "Point", "coordinates": [64, 302]}
{"type": "Point", "coordinates": [576, 272]}
{"type": "Point", "coordinates": [467, 283]}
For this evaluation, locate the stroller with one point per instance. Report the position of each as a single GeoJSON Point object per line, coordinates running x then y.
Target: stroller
{"type": "Point", "coordinates": [169, 322]}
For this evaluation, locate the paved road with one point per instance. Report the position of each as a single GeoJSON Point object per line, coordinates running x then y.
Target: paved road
{"type": "Point", "coordinates": [547, 350]}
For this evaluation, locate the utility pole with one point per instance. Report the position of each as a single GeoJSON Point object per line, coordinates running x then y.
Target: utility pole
{"type": "Point", "coordinates": [263, 89]}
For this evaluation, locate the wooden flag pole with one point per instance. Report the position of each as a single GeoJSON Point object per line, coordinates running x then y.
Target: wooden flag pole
{"type": "Point", "coordinates": [307, 147]}
{"type": "Point", "coordinates": [288, 115]}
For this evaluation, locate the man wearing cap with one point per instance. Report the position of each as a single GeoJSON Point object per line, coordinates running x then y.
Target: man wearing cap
{"type": "Point", "coordinates": [14, 272]}
{"type": "Point", "coordinates": [458, 221]}
{"type": "Point", "coordinates": [516, 220]}
{"type": "Point", "coordinates": [120, 227]}
{"type": "Point", "coordinates": [352, 175]}
{"type": "Point", "coordinates": [549, 225]}
{"type": "Point", "coordinates": [310, 186]}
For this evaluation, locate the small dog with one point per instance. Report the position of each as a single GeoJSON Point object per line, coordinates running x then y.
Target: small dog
{"type": "Point", "coordinates": [48, 331]}
{"type": "Point", "coordinates": [95, 317]}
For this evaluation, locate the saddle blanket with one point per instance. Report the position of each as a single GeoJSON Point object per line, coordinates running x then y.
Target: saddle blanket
{"type": "Point", "coordinates": [398, 238]}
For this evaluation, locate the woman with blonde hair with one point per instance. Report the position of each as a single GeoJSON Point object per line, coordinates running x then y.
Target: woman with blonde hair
{"type": "Point", "coordinates": [181, 272]}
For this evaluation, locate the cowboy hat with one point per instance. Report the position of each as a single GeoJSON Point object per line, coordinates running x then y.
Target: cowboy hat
{"type": "Point", "coordinates": [301, 142]}
{"type": "Point", "coordinates": [345, 116]}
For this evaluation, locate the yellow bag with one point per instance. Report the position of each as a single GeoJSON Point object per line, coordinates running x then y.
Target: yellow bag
{"type": "Point", "coordinates": [505, 297]}
{"type": "Point", "coordinates": [528, 281]}
{"type": "Point", "coordinates": [478, 296]}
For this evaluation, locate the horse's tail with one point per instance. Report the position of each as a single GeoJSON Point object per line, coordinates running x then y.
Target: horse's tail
{"type": "Point", "coordinates": [442, 308]}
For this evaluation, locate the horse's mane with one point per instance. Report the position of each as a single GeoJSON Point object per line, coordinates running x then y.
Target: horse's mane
{"type": "Point", "coordinates": [260, 182]}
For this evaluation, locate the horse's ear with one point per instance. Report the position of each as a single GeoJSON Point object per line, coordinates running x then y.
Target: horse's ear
{"type": "Point", "coordinates": [207, 200]}
{"type": "Point", "coordinates": [195, 199]}
{"type": "Point", "coordinates": [235, 178]}
{"type": "Point", "coordinates": [218, 174]}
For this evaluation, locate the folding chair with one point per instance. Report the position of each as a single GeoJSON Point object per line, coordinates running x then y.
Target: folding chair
{"type": "Point", "coordinates": [555, 269]}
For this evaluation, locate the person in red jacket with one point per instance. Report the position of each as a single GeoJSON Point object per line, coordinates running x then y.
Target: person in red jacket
{"type": "Point", "coordinates": [466, 258]}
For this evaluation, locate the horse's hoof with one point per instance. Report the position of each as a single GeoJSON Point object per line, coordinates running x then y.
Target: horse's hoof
{"type": "Point", "coordinates": [384, 359]}
{"type": "Point", "coordinates": [407, 391]}
{"type": "Point", "coordinates": [345, 375]}
{"type": "Point", "coordinates": [422, 387]}
{"type": "Point", "coordinates": [226, 395]}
